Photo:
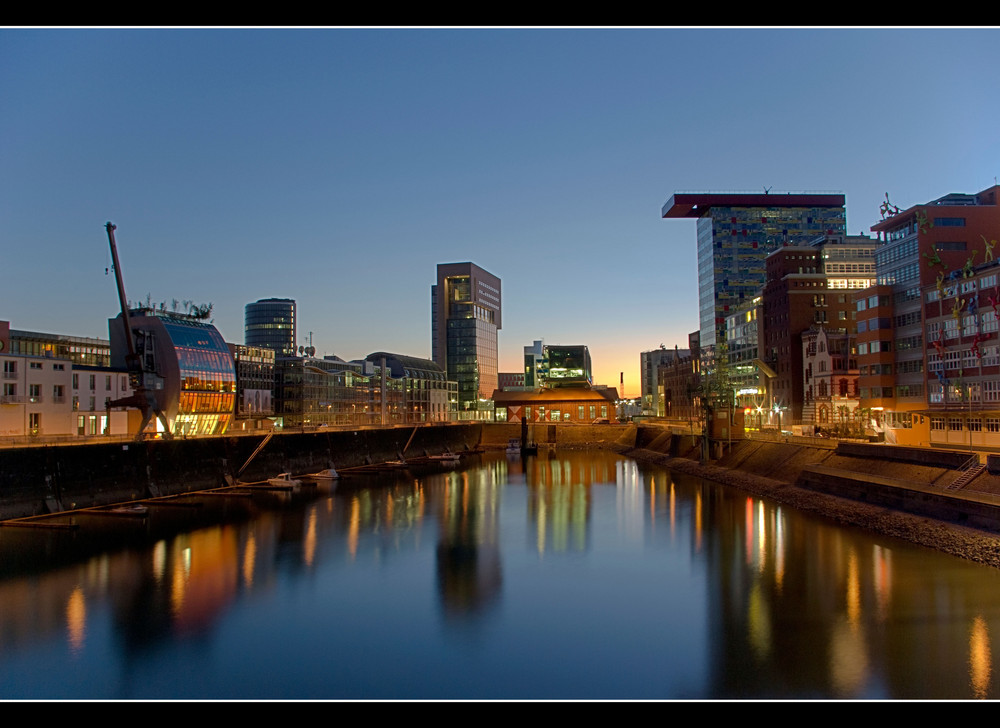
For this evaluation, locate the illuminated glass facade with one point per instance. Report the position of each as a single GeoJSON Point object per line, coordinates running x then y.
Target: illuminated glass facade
{"type": "Point", "coordinates": [465, 319]}
{"type": "Point", "coordinates": [735, 234]}
{"type": "Point", "coordinates": [187, 365]}
{"type": "Point", "coordinates": [271, 322]}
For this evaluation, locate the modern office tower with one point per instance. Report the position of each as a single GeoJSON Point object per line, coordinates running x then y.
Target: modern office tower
{"type": "Point", "coordinates": [930, 253]}
{"type": "Point", "coordinates": [736, 232]}
{"type": "Point", "coordinates": [271, 322]}
{"type": "Point", "coordinates": [465, 318]}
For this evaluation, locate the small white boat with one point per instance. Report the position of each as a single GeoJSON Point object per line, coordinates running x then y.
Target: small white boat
{"type": "Point", "coordinates": [447, 458]}
{"type": "Point", "coordinates": [283, 479]}
{"type": "Point", "coordinates": [325, 475]}
{"type": "Point", "coordinates": [137, 509]}
{"type": "Point", "coordinates": [513, 446]}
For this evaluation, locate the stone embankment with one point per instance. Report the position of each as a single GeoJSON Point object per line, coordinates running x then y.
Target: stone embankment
{"type": "Point", "coordinates": [905, 493]}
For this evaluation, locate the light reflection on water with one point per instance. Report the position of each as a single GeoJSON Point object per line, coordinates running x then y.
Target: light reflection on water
{"type": "Point", "coordinates": [578, 575]}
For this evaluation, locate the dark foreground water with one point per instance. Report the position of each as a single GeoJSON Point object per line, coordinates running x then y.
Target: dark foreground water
{"type": "Point", "coordinates": [571, 576]}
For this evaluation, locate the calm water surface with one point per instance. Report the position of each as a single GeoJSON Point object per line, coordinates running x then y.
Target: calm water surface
{"type": "Point", "coordinates": [574, 575]}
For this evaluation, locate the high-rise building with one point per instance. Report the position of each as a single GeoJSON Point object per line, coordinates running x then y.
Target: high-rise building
{"type": "Point", "coordinates": [271, 322]}
{"type": "Point", "coordinates": [736, 232]}
{"type": "Point", "coordinates": [465, 319]}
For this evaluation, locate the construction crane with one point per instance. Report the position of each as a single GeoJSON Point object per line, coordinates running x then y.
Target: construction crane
{"type": "Point", "coordinates": [141, 398]}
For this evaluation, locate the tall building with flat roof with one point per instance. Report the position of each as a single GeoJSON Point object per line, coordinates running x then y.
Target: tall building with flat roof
{"type": "Point", "coordinates": [736, 232]}
{"type": "Point", "coordinates": [465, 319]}
{"type": "Point", "coordinates": [271, 322]}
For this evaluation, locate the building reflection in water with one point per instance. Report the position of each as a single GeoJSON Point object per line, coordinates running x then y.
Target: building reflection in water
{"type": "Point", "coordinates": [794, 606]}
{"type": "Point", "coordinates": [468, 555]}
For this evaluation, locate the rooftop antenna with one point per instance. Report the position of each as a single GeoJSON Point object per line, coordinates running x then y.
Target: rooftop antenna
{"type": "Point", "coordinates": [767, 190]}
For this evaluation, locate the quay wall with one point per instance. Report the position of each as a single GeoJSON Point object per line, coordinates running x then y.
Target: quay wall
{"type": "Point", "coordinates": [48, 478]}
{"type": "Point", "coordinates": [915, 481]}
{"type": "Point", "coordinates": [45, 479]}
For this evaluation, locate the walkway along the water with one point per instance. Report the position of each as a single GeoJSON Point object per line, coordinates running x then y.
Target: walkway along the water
{"type": "Point", "coordinates": [902, 492]}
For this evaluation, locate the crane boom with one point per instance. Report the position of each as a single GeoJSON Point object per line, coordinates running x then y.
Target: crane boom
{"type": "Point", "coordinates": [141, 398]}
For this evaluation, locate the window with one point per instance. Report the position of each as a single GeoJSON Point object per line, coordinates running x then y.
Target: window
{"type": "Point", "coordinates": [34, 421]}
{"type": "Point", "coordinates": [35, 392]}
{"type": "Point", "coordinates": [76, 382]}
{"type": "Point", "coordinates": [35, 365]}
{"type": "Point", "coordinates": [949, 222]}
{"type": "Point", "coordinates": [937, 423]}
{"type": "Point", "coordinates": [107, 383]}
{"type": "Point", "coordinates": [993, 424]}
{"type": "Point", "coordinates": [93, 383]}
{"type": "Point", "coordinates": [9, 369]}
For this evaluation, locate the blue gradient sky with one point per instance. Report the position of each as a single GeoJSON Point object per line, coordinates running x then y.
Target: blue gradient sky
{"type": "Point", "coordinates": [338, 167]}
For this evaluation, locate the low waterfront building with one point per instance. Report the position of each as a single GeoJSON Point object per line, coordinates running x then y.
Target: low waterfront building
{"type": "Point", "coordinates": [57, 386]}
{"type": "Point", "coordinates": [649, 363]}
{"type": "Point", "coordinates": [311, 392]}
{"type": "Point", "coordinates": [185, 363]}
{"type": "Point", "coordinates": [254, 386]}
{"type": "Point", "coordinates": [93, 390]}
{"type": "Point", "coordinates": [679, 384]}
{"type": "Point", "coordinates": [35, 397]}
{"type": "Point", "coordinates": [557, 404]}
{"type": "Point", "coordinates": [830, 377]}
{"type": "Point", "coordinates": [428, 395]}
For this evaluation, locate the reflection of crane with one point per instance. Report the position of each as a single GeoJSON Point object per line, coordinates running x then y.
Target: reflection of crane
{"type": "Point", "coordinates": [141, 397]}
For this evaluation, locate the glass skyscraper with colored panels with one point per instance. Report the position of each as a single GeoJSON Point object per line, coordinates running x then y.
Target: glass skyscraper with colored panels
{"type": "Point", "coordinates": [736, 231]}
{"type": "Point", "coordinates": [465, 319]}
{"type": "Point", "coordinates": [270, 322]}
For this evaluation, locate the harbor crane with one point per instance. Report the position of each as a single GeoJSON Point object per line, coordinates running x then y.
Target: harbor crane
{"type": "Point", "coordinates": [142, 397]}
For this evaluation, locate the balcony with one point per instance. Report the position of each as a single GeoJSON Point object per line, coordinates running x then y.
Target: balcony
{"type": "Point", "coordinates": [12, 399]}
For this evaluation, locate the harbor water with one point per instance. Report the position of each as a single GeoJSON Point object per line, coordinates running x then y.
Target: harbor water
{"type": "Point", "coordinates": [566, 575]}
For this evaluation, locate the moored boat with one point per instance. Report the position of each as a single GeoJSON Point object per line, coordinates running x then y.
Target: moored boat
{"type": "Point", "coordinates": [283, 479]}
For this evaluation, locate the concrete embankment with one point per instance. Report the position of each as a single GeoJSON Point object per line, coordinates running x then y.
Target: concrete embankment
{"type": "Point", "coordinates": [36, 480]}
{"type": "Point", "coordinates": [907, 493]}
{"type": "Point", "coordinates": [46, 479]}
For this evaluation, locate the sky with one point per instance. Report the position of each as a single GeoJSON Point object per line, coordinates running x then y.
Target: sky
{"type": "Point", "coordinates": [340, 166]}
